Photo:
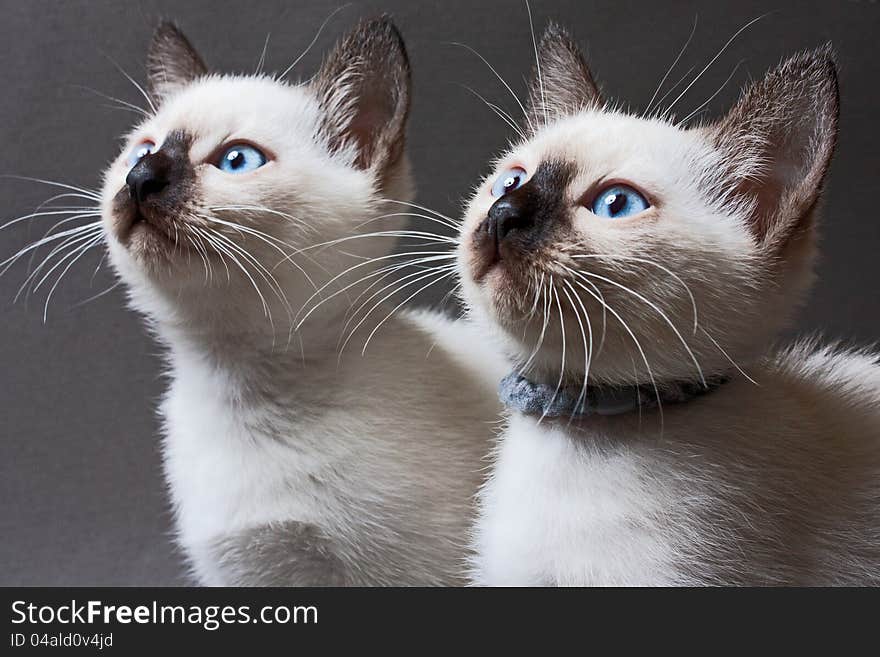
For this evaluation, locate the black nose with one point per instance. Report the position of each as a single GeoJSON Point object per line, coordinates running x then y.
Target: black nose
{"type": "Point", "coordinates": [149, 176]}
{"type": "Point", "coordinates": [509, 213]}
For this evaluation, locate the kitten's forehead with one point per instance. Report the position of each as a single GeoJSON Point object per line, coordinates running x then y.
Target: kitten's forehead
{"type": "Point", "coordinates": [237, 107]}
{"type": "Point", "coordinates": [601, 143]}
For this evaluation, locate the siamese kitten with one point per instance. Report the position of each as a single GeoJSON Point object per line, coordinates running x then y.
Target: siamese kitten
{"type": "Point", "coordinates": [287, 462]}
{"type": "Point", "coordinates": [636, 271]}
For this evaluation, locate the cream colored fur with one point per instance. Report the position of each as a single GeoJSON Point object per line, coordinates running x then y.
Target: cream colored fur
{"type": "Point", "coordinates": [288, 463]}
{"type": "Point", "coordinates": [772, 479]}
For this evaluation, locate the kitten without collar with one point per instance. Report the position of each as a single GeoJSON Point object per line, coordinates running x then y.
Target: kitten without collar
{"type": "Point", "coordinates": [619, 251]}
{"type": "Point", "coordinates": [287, 463]}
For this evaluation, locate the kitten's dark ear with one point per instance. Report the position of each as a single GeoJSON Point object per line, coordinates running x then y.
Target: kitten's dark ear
{"type": "Point", "coordinates": [561, 81]}
{"type": "Point", "coordinates": [364, 90]}
{"type": "Point", "coordinates": [778, 140]}
{"type": "Point", "coordinates": [172, 62]}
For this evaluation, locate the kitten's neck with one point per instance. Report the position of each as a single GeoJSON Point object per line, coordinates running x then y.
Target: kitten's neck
{"type": "Point", "coordinates": [520, 394]}
{"type": "Point", "coordinates": [234, 344]}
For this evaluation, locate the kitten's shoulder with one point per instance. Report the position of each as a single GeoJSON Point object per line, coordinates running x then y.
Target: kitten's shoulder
{"type": "Point", "coordinates": [851, 374]}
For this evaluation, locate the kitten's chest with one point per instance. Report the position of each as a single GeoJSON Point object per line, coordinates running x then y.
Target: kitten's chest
{"type": "Point", "coordinates": [560, 512]}
{"type": "Point", "coordinates": [232, 466]}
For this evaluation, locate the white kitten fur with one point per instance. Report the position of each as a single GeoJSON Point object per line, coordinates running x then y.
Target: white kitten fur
{"type": "Point", "coordinates": [775, 481]}
{"type": "Point", "coordinates": [724, 496]}
{"type": "Point", "coordinates": [286, 463]}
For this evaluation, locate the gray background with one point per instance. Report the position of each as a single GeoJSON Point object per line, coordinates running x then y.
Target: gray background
{"type": "Point", "coordinates": [82, 498]}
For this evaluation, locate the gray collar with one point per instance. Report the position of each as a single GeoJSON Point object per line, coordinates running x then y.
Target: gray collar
{"type": "Point", "coordinates": [520, 394]}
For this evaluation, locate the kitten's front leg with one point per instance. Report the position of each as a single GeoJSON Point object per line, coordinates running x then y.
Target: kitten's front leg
{"type": "Point", "coordinates": [283, 554]}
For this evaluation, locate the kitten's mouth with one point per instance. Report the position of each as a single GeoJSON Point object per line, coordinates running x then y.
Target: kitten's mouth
{"type": "Point", "coordinates": [141, 230]}
{"type": "Point", "coordinates": [483, 263]}
{"type": "Point", "coordinates": [137, 226]}
{"type": "Point", "coordinates": [495, 259]}
{"type": "Point", "coordinates": [504, 275]}
{"type": "Point", "coordinates": [487, 252]}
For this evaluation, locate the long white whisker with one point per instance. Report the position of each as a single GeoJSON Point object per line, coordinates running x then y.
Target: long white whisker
{"type": "Point", "coordinates": [537, 62]}
{"type": "Point", "coordinates": [670, 91]}
{"type": "Point", "coordinates": [257, 208]}
{"type": "Point", "coordinates": [555, 293]}
{"type": "Point", "coordinates": [52, 213]}
{"type": "Point", "coordinates": [539, 285]}
{"type": "Point", "coordinates": [546, 316]}
{"type": "Point", "coordinates": [202, 248]}
{"type": "Point", "coordinates": [132, 80]}
{"type": "Point", "coordinates": [504, 116]}
{"type": "Point", "coordinates": [215, 240]}
{"type": "Point", "coordinates": [390, 270]}
{"type": "Point", "coordinates": [211, 238]}
{"type": "Point", "coordinates": [81, 253]}
{"type": "Point", "coordinates": [379, 272]}
{"type": "Point", "coordinates": [588, 348]}
{"type": "Point", "coordinates": [452, 222]}
{"type": "Point", "coordinates": [712, 97]}
{"type": "Point", "coordinates": [97, 268]}
{"type": "Point", "coordinates": [268, 239]}
{"type": "Point", "coordinates": [124, 103]}
{"type": "Point", "coordinates": [358, 266]}
{"type": "Point", "coordinates": [262, 59]}
{"type": "Point", "coordinates": [90, 194]}
{"type": "Point", "coordinates": [497, 75]}
{"type": "Point", "coordinates": [604, 311]}
{"type": "Point", "coordinates": [414, 234]}
{"type": "Point", "coordinates": [713, 60]}
{"type": "Point", "coordinates": [646, 261]}
{"type": "Point", "coordinates": [313, 41]}
{"type": "Point", "coordinates": [260, 269]}
{"type": "Point", "coordinates": [6, 264]}
{"type": "Point", "coordinates": [71, 241]}
{"type": "Point", "coordinates": [98, 296]}
{"type": "Point", "coordinates": [201, 245]}
{"type": "Point", "coordinates": [660, 312]}
{"type": "Point", "coordinates": [455, 288]}
{"type": "Point", "coordinates": [672, 68]}
{"type": "Point", "coordinates": [397, 282]}
{"type": "Point", "coordinates": [188, 236]}
{"type": "Point", "coordinates": [400, 305]}
{"type": "Point", "coordinates": [416, 215]}
{"type": "Point", "coordinates": [295, 250]}
{"type": "Point", "coordinates": [58, 224]}
{"type": "Point", "coordinates": [632, 337]}
{"type": "Point", "coordinates": [399, 288]}
{"type": "Point", "coordinates": [727, 356]}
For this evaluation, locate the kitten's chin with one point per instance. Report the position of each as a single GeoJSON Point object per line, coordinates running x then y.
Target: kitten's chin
{"type": "Point", "coordinates": [147, 242]}
{"type": "Point", "coordinates": [150, 246]}
{"type": "Point", "coordinates": [509, 293]}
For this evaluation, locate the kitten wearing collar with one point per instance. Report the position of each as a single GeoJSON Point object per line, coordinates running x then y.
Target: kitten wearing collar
{"type": "Point", "coordinates": [288, 463]}
{"type": "Point", "coordinates": [636, 270]}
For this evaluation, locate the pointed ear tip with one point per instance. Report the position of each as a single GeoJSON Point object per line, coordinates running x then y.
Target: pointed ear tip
{"type": "Point", "coordinates": [821, 59]}
{"type": "Point", "coordinates": [825, 56]}
{"type": "Point", "coordinates": [165, 27]}
{"type": "Point", "coordinates": [824, 61]}
{"type": "Point", "coordinates": [827, 52]}
{"type": "Point", "coordinates": [383, 24]}
{"type": "Point", "coordinates": [385, 29]}
{"type": "Point", "coordinates": [555, 32]}
{"type": "Point", "coordinates": [393, 31]}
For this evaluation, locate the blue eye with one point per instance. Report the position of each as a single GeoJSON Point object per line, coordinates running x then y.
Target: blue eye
{"type": "Point", "coordinates": [619, 201]}
{"type": "Point", "coordinates": [140, 151]}
{"type": "Point", "coordinates": [241, 158]}
{"type": "Point", "coordinates": [509, 180]}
